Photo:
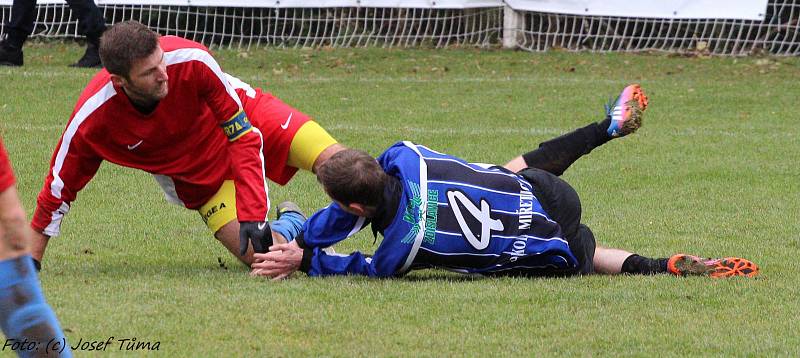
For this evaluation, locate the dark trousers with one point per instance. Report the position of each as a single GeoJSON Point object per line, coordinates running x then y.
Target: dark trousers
{"type": "Point", "coordinates": [91, 22]}
{"type": "Point", "coordinates": [559, 200]}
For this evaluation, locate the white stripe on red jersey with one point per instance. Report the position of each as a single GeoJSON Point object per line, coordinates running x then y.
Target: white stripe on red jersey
{"type": "Point", "coordinates": [88, 107]}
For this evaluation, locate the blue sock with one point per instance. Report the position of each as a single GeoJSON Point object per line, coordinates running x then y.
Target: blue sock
{"type": "Point", "coordinates": [289, 225]}
{"type": "Point", "coordinates": [25, 317]}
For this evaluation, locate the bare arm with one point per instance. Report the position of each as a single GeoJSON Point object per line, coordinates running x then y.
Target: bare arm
{"type": "Point", "coordinates": [14, 231]}
{"type": "Point", "coordinates": [38, 245]}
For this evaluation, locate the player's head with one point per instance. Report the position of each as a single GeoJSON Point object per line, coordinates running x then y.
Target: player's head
{"type": "Point", "coordinates": [354, 180]}
{"type": "Point", "coordinates": [131, 53]}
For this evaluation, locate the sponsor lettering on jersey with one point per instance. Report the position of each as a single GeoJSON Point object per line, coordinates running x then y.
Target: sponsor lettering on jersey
{"type": "Point", "coordinates": [431, 216]}
{"type": "Point", "coordinates": [237, 126]}
{"type": "Point", "coordinates": [414, 212]}
{"type": "Point", "coordinates": [525, 205]}
{"type": "Point", "coordinates": [518, 249]}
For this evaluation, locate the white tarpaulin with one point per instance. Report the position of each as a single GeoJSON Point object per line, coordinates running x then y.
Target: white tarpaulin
{"type": "Point", "coordinates": [427, 4]}
{"type": "Point", "coordinates": [668, 9]}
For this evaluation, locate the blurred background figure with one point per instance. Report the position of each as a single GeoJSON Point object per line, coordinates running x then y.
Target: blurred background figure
{"type": "Point", "coordinates": [91, 24]}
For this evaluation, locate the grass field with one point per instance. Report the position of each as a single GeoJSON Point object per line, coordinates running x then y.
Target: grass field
{"type": "Point", "coordinates": [714, 171]}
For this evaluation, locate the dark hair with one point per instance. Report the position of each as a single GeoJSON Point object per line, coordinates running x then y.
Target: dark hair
{"type": "Point", "coordinates": [125, 43]}
{"type": "Point", "coordinates": [353, 176]}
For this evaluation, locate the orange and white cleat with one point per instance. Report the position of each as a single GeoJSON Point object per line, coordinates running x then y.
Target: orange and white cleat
{"type": "Point", "coordinates": [689, 265]}
{"type": "Point", "coordinates": [626, 112]}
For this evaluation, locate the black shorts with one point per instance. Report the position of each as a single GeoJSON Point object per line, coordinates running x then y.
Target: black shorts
{"type": "Point", "coordinates": [560, 201]}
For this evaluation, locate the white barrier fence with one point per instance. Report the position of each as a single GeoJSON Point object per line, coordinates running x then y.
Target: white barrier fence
{"type": "Point", "coordinates": [726, 27]}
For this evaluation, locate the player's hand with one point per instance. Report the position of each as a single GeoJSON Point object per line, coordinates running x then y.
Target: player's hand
{"type": "Point", "coordinates": [280, 262]}
{"type": "Point", "coordinates": [256, 233]}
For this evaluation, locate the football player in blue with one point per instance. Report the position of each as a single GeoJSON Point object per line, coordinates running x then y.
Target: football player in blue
{"type": "Point", "coordinates": [436, 210]}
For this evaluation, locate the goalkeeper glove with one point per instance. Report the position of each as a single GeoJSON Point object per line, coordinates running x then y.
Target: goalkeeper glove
{"type": "Point", "coordinates": [257, 233]}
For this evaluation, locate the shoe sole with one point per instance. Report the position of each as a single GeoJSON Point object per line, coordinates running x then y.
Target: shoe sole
{"type": "Point", "coordinates": [636, 105]}
{"type": "Point", "coordinates": [735, 266]}
{"type": "Point", "coordinates": [727, 267]}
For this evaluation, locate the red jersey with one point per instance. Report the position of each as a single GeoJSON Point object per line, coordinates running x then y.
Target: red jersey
{"type": "Point", "coordinates": [6, 174]}
{"type": "Point", "coordinates": [197, 137]}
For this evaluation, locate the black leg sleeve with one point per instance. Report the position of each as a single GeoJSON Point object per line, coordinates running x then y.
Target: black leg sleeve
{"type": "Point", "coordinates": [23, 13]}
{"type": "Point", "coordinates": [90, 18]}
{"type": "Point", "coordinates": [556, 155]}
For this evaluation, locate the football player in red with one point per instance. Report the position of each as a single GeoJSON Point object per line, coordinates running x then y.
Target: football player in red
{"type": "Point", "coordinates": [163, 104]}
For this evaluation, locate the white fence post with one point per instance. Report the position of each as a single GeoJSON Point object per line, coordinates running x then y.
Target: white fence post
{"type": "Point", "coordinates": [513, 22]}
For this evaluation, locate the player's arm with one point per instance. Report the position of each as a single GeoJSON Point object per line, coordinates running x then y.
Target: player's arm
{"type": "Point", "coordinates": [284, 259]}
{"type": "Point", "coordinates": [319, 263]}
{"type": "Point", "coordinates": [245, 146]}
{"type": "Point", "coordinates": [323, 229]}
{"type": "Point", "coordinates": [331, 225]}
{"type": "Point", "coordinates": [386, 262]}
{"type": "Point", "coordinates": [73, 164]}
{"type": "Point", "coordinates": [13, 231]}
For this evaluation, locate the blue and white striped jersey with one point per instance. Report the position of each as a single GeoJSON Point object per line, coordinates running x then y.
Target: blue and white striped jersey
{"type": "Point", "coordinates": [465, 217]}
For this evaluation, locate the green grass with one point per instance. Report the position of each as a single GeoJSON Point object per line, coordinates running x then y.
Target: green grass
{"type": "Point", "coordinates": [714, 171]}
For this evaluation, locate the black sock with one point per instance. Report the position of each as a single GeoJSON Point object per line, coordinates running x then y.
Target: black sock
{"type": "Point", "coordinates": [641, 265]}
{"type": "Point", "coordinates": [604, 124]}
{"type": "Point", "coordinates": [558, 154]}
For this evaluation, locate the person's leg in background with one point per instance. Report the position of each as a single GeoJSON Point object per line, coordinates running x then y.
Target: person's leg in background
{"type": "Point", "coordinates": [91, 24]}
{"type": "Point", "coordinates": [20, 26]}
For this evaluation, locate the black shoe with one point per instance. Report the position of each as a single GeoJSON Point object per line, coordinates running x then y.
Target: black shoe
{"type": "Point", "coordinates": [10, 56]}
{"type": "Point", "coordinates": [91, 58]}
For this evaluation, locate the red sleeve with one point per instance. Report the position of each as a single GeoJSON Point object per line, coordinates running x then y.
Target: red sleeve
{"type": "Point", "coordinates": [6, 173]}
{"type": "Point", "coordinates": [73, 164]}
{"type": "Point", "coordinates": [245, 142]}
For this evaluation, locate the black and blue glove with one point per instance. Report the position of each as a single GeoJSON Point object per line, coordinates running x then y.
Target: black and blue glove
{"type": "Point", "coordinates": [257, 233]}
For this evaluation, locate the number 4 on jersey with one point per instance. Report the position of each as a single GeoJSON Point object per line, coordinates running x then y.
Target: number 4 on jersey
{"type": "Point", "coordinates": [483, 215]}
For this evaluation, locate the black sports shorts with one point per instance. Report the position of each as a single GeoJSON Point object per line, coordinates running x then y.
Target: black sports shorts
{"type": "Point", "coordinates": [560, 201]}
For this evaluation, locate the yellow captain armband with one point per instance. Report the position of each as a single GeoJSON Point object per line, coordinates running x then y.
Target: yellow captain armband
{"type": "Point", "coordinates": [237, 126]}
{"type": "Point", "coordinates": [309, 141]}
